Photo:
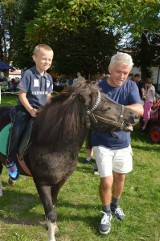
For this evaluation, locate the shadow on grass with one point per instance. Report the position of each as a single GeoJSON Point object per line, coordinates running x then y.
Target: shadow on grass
{"type": "Point", "coordinates": [21, 208]}
{"type": "Point", "coordinates": [79, 213]}
{"type": "Point", "coordinates": [18, 207]}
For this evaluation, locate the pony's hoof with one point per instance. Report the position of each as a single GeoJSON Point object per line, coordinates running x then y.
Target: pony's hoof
{"type": "Point", "coordinates": [11, 182]}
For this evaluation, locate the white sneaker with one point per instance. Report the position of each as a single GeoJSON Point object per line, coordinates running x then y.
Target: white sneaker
{"type": "Point", "coordinates": [105, 224]}
{"type": "Point", "coordinates": [118, 213]}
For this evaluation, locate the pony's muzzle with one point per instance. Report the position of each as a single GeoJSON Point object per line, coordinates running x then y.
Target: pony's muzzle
{"type": "Point", "coordinates": [135, 119]}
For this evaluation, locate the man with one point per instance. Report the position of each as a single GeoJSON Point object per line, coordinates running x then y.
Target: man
{"type": "Point", "coordinates": [112, 152]}
{"type": "Point", "coordinates": [140, 85]}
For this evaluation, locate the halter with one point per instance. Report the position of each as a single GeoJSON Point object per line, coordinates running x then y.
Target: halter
{"type": "Point", "coordinates": [90, 115]}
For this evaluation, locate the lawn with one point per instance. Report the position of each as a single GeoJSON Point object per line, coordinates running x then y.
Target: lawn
{"type": "Point", "coordinates": [78, 207]}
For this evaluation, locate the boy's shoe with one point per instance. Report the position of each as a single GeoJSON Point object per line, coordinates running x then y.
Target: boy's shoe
{"type": "Point", "coordinates": [105, 224]}
{"type": "Point", "coordinates": [118, 213]}
{"type": "Point", "coordinates": [12, 171]}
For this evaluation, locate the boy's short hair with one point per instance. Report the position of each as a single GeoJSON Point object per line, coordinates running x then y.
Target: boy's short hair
{"type": "Point", "coordinates": [42, 46]}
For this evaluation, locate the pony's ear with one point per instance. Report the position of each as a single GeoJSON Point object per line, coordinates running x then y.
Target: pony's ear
{"type": "Point", "coordinates": [85, 98]}
{"type": "Point", "coordinates": [80, 83]}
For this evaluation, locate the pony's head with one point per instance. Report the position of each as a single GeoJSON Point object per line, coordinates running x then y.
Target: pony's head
{"type": "Point", "coordinates": [102, 112]}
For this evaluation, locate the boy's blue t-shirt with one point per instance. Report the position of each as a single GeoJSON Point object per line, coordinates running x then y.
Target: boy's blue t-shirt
{"type": "Point", "coordinates": [36, 87]}
{"type": "Point", "coordinates": [127, 94]}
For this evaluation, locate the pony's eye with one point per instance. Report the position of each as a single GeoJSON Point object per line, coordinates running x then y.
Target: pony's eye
{"type": "Point", "coordinates": [106, 108]}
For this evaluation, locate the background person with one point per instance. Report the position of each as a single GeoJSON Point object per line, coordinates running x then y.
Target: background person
{"type": "Point", "coordinates": [149, 99]}
{"type": "Point", "coordinates": [140, 84]}
{"type": "Point", "coordinates": [113, 153]}
{"type": "Point", "coordinates": [35, 90]}
{"type": "Point", "coordinates": [88, 146]}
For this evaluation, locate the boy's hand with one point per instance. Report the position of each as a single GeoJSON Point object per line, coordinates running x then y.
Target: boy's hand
{"type": "Point", "coordinates": [33, 112]}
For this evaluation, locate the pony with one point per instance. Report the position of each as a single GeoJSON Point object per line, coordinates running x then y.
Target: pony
{"type": "Point", "coordinates": [58, 133]}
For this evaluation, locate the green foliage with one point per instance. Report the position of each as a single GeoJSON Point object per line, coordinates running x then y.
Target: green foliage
{"type": "Point", "coordinates": [139, 16]}
{"type": "Point", "coordinates": [90, 54]}
{"type": "Point", "coordinates": [72, 15]}
{"type": "Point", "coordinates": [8, 12]}
{"type": "Point", "coordinates": [75, 32]}
{"type": "Point", "coordinates": [68, 25]}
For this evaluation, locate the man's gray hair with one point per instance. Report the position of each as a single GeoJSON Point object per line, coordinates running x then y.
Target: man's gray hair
{"type": "Point", "coordinates": [122, 58]}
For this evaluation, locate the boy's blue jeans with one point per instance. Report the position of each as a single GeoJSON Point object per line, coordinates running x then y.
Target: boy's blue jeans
{"type": "Point", "coordinates": [20, 121]}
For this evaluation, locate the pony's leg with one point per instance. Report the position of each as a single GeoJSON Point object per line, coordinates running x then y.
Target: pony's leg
{"type": "Point", "coordinates": [55, 190]}
{"type": "Point", "coordinates": [1, 187]}
{"type": "Point", "coordinates": [52, 229]}
{"type": "Point", "coordinates": [51, 216]}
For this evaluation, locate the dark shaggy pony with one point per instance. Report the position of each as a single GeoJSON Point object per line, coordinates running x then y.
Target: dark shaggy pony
{"type": "Point", "coordinates": [58, 135]}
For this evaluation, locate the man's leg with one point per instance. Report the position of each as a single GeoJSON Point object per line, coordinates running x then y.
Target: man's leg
{"type": "Point", "coordinates": [118, 184]}
{"type": "Point", "coordinates": [122, 164]}
{"type": "Point", "coordinates": [105, 190]}
{"type": "Point", "coordinates": [104, 158]}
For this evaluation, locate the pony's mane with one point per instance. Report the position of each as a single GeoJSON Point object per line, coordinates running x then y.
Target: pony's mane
{"type": "Point", "coordinates": [62, 118]}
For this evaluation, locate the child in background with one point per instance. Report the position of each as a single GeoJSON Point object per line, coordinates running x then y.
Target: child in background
{"type": "Point", "coordinates": [149, 99]}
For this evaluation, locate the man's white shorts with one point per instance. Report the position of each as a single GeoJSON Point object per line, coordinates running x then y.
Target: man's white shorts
{"type": "Point", "coordinates": [109, 160]}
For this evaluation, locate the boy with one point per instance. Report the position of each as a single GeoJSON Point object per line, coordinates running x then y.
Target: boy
{"type": "Point", "coordinates": [35, 90]}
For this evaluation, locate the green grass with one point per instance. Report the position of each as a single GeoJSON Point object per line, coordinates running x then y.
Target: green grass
{"type": "Point", "coordinates": [9, 99]}
{"type": "Point", "coordinates": [78, 207]}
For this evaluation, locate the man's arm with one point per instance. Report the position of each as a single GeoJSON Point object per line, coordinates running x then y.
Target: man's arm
{"type": "Point", "coordinates": [137, 107]}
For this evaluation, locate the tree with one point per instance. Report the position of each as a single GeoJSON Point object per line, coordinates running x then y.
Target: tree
{"type": "Point", "coordinates": [22, 53]}
{"type": "Point", "coordinates": [146, 53]}
{"type": "Point", "coordinates": [81, 45]}
{"type": "Point", "coordinates": [75, 18]}
{"type": "Point", "coordinates": [73, 25]}
{"type": "Point", "coordinates": [8, 12]}
{"type": "Point", "coordinates": [88, 53]}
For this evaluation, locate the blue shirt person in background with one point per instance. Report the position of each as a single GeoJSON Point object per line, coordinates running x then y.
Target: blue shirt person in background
{"type": "Point", "coordinates": [35, 90]}
{"type": "Point", "coordinates": [113, 153]}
